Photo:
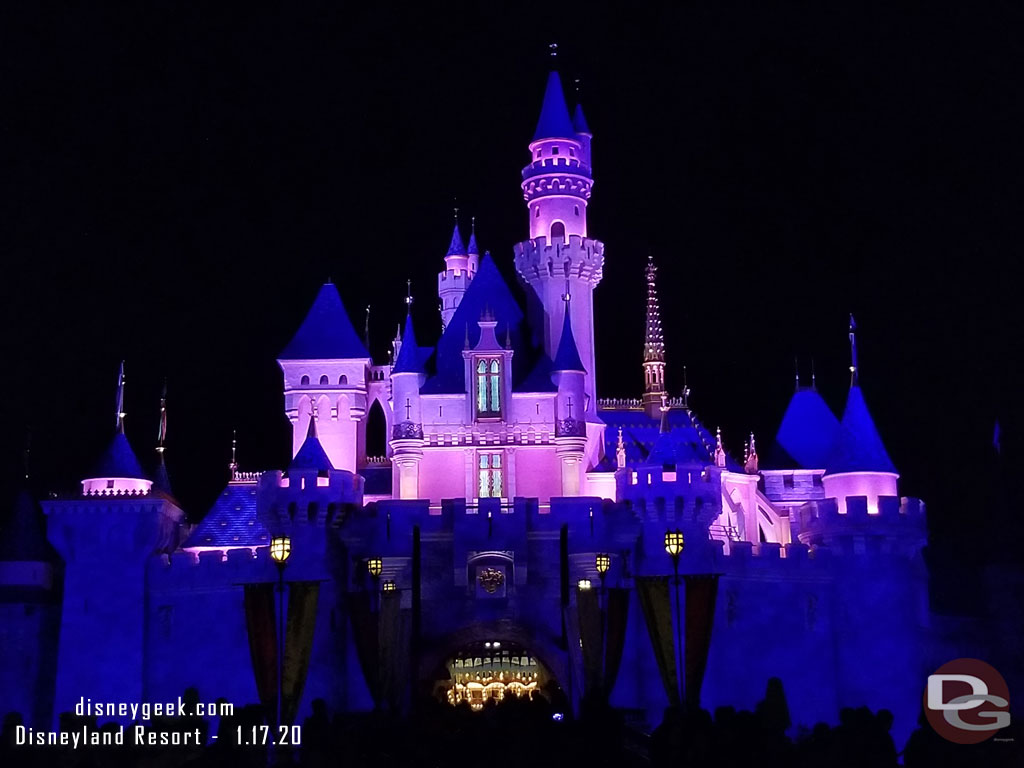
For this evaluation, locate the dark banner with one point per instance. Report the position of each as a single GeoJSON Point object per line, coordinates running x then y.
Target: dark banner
{"type": "Point", "coordinates": [393, 641]}
{"type": "Point", "coordinates": [701, 592]}
{"type": "Point", "coordinates": [298, 644]}
{"type": "Point", "coordinates": [615, 639]}
{"type": "Point", "coordinates": [261, 625]}
{"type": "Point", "coordinates": [653, 592]}
{"type": "Point", "coordinates": [588, 611]}
{"type": "Point", "coordinates": [365, 633]}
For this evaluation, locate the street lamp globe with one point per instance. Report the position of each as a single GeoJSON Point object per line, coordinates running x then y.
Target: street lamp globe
{"type": "Point", "coordinates": [388, 586]}
{"type": "Point", "coordinates": [280, 549]}
{"type": "Point", "coordinates": [583, 584]}
{"type": "Point", "coordinates": [674, 543]}
{"type": "Point", "coordinates": [375, 566]}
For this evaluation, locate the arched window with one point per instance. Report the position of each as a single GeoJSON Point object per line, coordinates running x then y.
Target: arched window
{"type": "Point", "coordinates": [323, 380]}
{"type": "Point", "coordinates": [536, 214]}
{"type": "Point", "coordinates": [558, 232]}
{"type": "Point", "coordinates": [576, 210]}
{"type": "Point", "coordinates": [343, 379]}
{"type": "Point", "coordinates": [304, 381]}
{"type": "Point", "coordinates": [488, 387]}
{"type": "Point", "coordinates": [376, 431]}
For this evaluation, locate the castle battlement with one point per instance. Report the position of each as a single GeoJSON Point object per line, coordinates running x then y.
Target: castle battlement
{"type": "Point", "coordinates": [901, 521]}
{"type": "Point", "coordinates": [580, 257]}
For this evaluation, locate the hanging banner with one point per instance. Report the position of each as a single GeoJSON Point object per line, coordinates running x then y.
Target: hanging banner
{"type": "Point", "coordinates": [393, 641]}
{"type": "Point", "coordinates": [298, 644]}
{"type": "Point", "coordinates": [701, 592]}
{"type": "Point", "coordinates": [261, 626]}
{"type": "Point", "coordinates": [615, 638]}
{"type": "Point", "coordinates": [588, 611]}
{"type": "Point", "coordinates": [366, 635]}
{"type": "Point", "coordinates": [653, 592]}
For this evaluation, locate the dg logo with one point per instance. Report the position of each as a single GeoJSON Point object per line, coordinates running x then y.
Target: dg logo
{"type": "Point", "coordinates": [967, 701]}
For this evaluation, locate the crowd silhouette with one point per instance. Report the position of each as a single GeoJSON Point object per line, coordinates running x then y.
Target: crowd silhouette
{"type": "Point", "coordinates": [518, 732]}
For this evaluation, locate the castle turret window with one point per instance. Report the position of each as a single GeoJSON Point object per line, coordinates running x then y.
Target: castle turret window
{"type": "Point", "coordinates": [323, 380]}
{"type": "Point", "coordinates": [490, 476]}
{"type": "Point", "coordinates": [304, 381]}
{"type": "Point", "coordinates": [488, 387]}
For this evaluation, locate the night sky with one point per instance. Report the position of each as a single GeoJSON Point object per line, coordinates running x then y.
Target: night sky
{"type": "Point", "coordinates": [176, 183]}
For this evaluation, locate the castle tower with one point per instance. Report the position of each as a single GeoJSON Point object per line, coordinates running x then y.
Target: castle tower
{"type": "Point", "coordinates": [325, 367]}
{"type": "Point", "coordinates": [654, 347]}
{"type": "Point", "coordinates": [460, 267]}
{"type": "Point", "coordinates": [105, 537]}
{"type": "Point", "coordinates": [859, 464]}
{"type": "Point", "coordinates": [407, 377]}
{"type": "Point", "coordinates": [569, 376]}
{"type": "Point", "coordinates": [556, 186]}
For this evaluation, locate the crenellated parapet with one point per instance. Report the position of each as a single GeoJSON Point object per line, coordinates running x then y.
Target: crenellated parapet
{"type": "Point", "coordinates": [898, 527]}
{"type": "Point", "coordinates": [580, 258]}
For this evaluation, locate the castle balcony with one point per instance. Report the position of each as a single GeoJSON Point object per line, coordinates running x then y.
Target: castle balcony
{"type": "Point", "coordinates": [550, 165]}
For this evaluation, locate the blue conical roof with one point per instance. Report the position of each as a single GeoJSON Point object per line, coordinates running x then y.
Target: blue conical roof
{"type": "Point", "coordinates": [161, 480]}
{"type": "Point", "coordinates": [409, 356]}
{"type": "Point", "coordinates": [456, 247]}
{"type": "Point", "coordinates": [326, 333]}
{"type": "Point", "coordinates": [809, 430]}
{"type": "Point", "coordinates": [488, 292]}
{"type": "Point", "coordinates": [567, 358]}
{"type": "Point", "coordinates": [554, 119]}
{"type": "Point", "coordinates": [312, 454]}
{"type": "Point", "coordinates": [473, 247]}
{"type": "Point", "coordinates": [119, 461]}
{"type": "Point", "coordinates": [24, 536]}
{"type": "Point", "coordinates": [860, 447]}
{"type": "Point", "coordinates": [579, 122]}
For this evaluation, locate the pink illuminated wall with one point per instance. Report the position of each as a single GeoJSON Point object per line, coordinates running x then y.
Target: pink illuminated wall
{"type": "Point", "coordinates": [870, 484]}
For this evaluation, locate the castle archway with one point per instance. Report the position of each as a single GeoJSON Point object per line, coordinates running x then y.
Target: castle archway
{"type": "Point", "coordinates": [376, 431]}
{"type": "Point", "coordinates": [489, 661]}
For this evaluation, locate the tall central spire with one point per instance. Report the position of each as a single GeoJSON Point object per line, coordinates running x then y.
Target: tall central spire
{"type": "Point", "coordinates": [654, 347]}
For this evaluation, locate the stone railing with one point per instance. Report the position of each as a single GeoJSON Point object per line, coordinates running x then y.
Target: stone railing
{"type": "Point", "coordinates": [377, 461]}
{"type": "Point", "coordinates": [245, 477]}
{"type": "Point", "coordinates": [407, 430]}
{"type": "Point", "coordinates": [570, 428]}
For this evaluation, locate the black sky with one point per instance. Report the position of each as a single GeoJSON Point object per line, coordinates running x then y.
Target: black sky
{"type": "Point", "coordinates": [178, 179]}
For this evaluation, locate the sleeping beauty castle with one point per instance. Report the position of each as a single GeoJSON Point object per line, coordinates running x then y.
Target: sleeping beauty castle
{"type": "Point", "coordinates": [516, 534]}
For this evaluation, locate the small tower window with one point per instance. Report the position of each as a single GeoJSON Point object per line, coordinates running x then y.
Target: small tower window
{"type": "Point", "coordinates": [576, 210]}
{"type": "Point", "coordinates": [343, 379]}
{"type": "Point", "coordinates": [536, 214]}
{"type": "Point", "coordinates": [538, 155]}
{"type": "Point", "coordinates": [572, 152]}
{"type": "Point", "coordinates": [554, 150]}
{"type": "Point", "coordinates": [558, 232]}
{"type": "Point", "coordinates": [488, 388]}
{"type": "Point", "coordinates": [489, 476]}
{"type": "Point", "coordinates": [304, 381]}
{"type": "Point", "coordinates": [323, 380]}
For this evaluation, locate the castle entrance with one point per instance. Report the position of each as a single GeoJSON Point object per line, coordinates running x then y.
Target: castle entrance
{"type": "Point", "coordinates": [489, 670]}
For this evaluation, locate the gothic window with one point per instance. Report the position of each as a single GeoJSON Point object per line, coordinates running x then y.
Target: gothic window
{"type": "Point", "coordinates": [323, 380]}
{"type": "Point", "coordinates": [488, 387]}
{"type": "Point", "coordinates": [304, 381]}
{"type": "Point", "coordinates": [558, 231]}
{"type": "Point", "coordinates": [490, 483]}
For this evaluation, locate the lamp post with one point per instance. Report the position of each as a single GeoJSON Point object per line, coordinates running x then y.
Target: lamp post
{"type": "Point", "coordinates": [674, 547]}
{"type": "Point", "coordinates": [602, 562]}
{"type": "Point", "coordinates": [374, 567]}
{"type": "Point", "coordinates": [280, 551]}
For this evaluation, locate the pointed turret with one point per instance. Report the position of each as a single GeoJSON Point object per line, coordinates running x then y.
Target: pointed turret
{"type": "Point", "coordinates": [460, 267]}
{"type": "Point", "coordinates": [118, 470]}
{"type": "Point", "coordinates": [473, 249]}
{"type": "Point", "coordinates": [409, 359]}
{"type": "Point", "coordinates": [554, 121]}
{"type": "Point", "coordinates": [568, 356]}
{"type": "Point", "coordinates": [809, 431]}
{"type": "Point", "coordinates": [579, 122]}
{"type": "Point", "coordinates": [326, 333]}
{"type": "Point", "coordinates": [457, 247]}
{"type": "Point", "coordinates": [311, 455]}
{"type": "Point", "coordinates": [654, 346]}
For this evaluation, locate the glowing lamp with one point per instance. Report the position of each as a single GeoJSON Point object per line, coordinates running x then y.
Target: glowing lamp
{"type": "Point", "coordinates": [388, 586]}
{"type": "Point", "coordinates": [583, 584]}
{"type": "Point", "coordinates": [280, 549]}
{"type": "Point", "coordinates": [375, 566]}
{"type": "Point", "coordinates": [602, 562]}
{"type": "Point", "coordinates": [674, 543]}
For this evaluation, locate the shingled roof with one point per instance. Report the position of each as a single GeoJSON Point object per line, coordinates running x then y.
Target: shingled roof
{"type": "Point", "coordinates": [326, 333]}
